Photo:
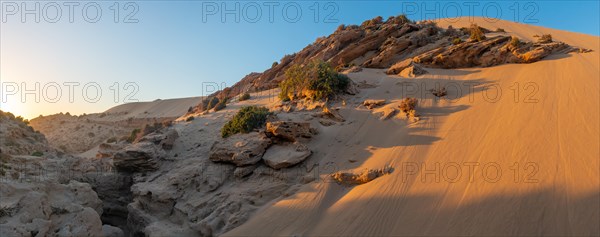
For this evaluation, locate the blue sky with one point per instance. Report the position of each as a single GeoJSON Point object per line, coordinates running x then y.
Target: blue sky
{"type": "Point", "coordinates": [169, 48]}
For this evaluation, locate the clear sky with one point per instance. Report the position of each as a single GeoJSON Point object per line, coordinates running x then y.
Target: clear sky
{"type": "Point", "coordinates": [168, 49]}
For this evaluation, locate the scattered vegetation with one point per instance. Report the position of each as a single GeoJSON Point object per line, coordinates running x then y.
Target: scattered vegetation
{"type": "Point", "coordinates": [247, 119]}
{"type": "Point", "coordinates": [245, 96]}
{"type": "Point", "coordinates": [37, 153]}
{"type": "Point", "coordinates": [408, 105]}
{"type": "Point", "coordinates": [274, 64]}
{"type": "Point", "coordinates": [456, 41]}
{"type": "Point", "coordinates": [373, 22]}
{"type": "Point", "coordinates": [316, 80]}
{"type": "Point", "coordinates": [476, 33]}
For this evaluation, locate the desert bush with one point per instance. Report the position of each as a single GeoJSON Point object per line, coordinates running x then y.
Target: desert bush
{"type": "Point", "coordinates": [274, 64]}
{"type": "Point", "coordinates": [37, 153]}
{"type": "Point", "coordinates": [191, 118]}
{"type": "Point", "coordinates": [408, 105]}
{"type": "Point", "coordinates": [476, 33]}
{"type": "Point", "coordinates": [221, 105]}
{"type": "Point", "coordinates": [456, 41]}
{"type": "Point", "coordinates": [515, 42]}
{"type": "Point", "coordinates": [245, 96]}
{"type": "Point", "coordinates": [133, 136]}
{"type": "Point", "coordinates": [247, 119]}
{"type": "Point", "coordinates": [500, 30]}
{"type": "Point", "coordinates": [316, 80]}
{"type": "Point", "coordinates": [545, 38]}
{"type": "Point", "coordinates": [372, 22]}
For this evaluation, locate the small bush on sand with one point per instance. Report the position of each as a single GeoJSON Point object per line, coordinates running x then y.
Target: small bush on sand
{"type": "Point", "coordinates": [316, 80]}
{"type": "Point", "coordinates": [408, 105]}
{"type": "Point", "coordinates": [245, 96]}
{"type": "Point", "coordinates": [37, 153]}
{"type": "Point", "coordinates": [191, 118]}
{"type": "Point", "coordinates": [500, 30]}
{"type": "Point", "coordinates": [246, 120]}
{"type": "Point", "coordinates": [476, 33]}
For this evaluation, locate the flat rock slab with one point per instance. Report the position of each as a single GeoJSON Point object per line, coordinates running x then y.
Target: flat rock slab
{"type": "Point", "coordinates": [283, 156]}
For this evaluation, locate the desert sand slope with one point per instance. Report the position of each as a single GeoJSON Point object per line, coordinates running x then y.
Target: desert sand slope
{"type": "Point", "coordinates": [511, 164]}
{"type": "Point", "coordinates": [156, 109]}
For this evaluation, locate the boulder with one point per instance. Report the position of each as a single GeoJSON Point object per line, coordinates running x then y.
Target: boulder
{"type": "Point", "coordinates": [283, 156]}
{"type": "Point", "coordinates": [289, 131]}
{"type": "Point", "coordinates": [413, 70]}
{"type": "Point", "coordinates": [240, 149]}
{"type": "Point", "coordinates": [139, 157]}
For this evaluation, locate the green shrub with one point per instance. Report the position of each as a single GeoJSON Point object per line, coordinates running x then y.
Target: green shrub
{"type": "Point", "coordinates": [274, 64]}
{"type": "Point", "coordinates": [133, 136]}
{"type": "Point", "coordinates": [221, 105]}
{"type": "Point", "coordinates": [316, 80]}
{"type": "Point", "coordinates": [476, 33]}
{"type": "Point", "coordinates": [212, 102]}
{"type": "Point", "coordinates": [245, 96]}
{"type": "Point", "coordinates": [37, 153]}
{"type": "Point", "coordinates": [246, 120]}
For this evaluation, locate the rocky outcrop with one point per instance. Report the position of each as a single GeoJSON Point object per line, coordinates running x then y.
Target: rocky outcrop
{"type": "Point", "coordinates": [283, 156]}
{"type": "Point", "coordinates": [240, 149]}
{"type": "Point", "coordinates": [49, 209]}
{"type": "Point", "coordinates": [18, 138]}
{"type": "Point", "coordinates": [107, 150]}
{"type": "Point", "coordinates": [489, 52]}
{"type": "Point", "coordinates": [138, 157]}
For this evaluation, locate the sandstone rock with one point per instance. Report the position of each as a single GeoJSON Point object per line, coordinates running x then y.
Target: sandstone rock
{"type": "Point", "coordinates": [412, 71]}
{"type": "Point", "coordinates": [49, 209]}
{"type": "Point", "coordinates": [289, 131]}
{"type": "Point", "coordinates": [399, 66]}
{"type": "Point", "coordinates": [139, 157]}
{"type": "Point", "coordinates": [243, 171]}
{"type": "Point", "coordinates": [283, 156]}
{"type": "Point", "coordinates": [240, 149]}
{"type": "Point", "coordinates": [371, 104]}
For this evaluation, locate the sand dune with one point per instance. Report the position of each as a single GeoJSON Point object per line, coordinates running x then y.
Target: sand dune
{"type": "Point", "coordinates": [156, 109]}
{"type": "Point", "coordinates": [528, 162]}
